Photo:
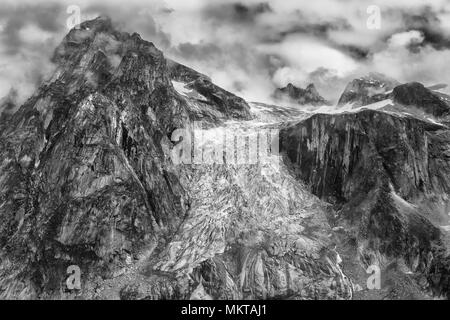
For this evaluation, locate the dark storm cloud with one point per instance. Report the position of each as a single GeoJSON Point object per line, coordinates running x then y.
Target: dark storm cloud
{"type": "Point", "coordinates": [133, 18]}
{"type": "Point", "coordinates": [190, 51]}
{"type": "Point", "coordinates": [423, 19]}
{"type": "Point", "coordinates": [43, 16]}
{"type": "Point", "coordinates": [427, 22]}
{"type": "Point", "coordinates": [235, 12]}
{"type": "Point", "coordinates": [225, 14]}
{"type": "Point", "coordinates": [302, 23]}
{"type": "Point", "coordinates": [28, 35]}
{"type": "Point", "coordinates": [357, 53]}
{"type": "Point", "coordinates": [237, 54]}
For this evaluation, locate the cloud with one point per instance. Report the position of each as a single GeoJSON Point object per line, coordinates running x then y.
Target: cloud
{"type": "Point", "coordinates": [326, 42]}
{"type": "Point", "coordinates": [235, 12]}
{"type": "Point", "coordinates": [405, 39]}
{"type": "Point", "coordinates": [30, 31]}
{"type": "Point", "coordinates": [408, 57]}
{"type": "Point", "coordinates": [249, 47]}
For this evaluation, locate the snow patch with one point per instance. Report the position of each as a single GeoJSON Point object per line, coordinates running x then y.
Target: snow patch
{"type": "Point", "coordinates": [349, 107]}
{"type": "Point", "coordinates": [399, 200]}
{"type": "Point", "coordinates": [180, 87]}
{"type": "Point", "coordinates": [433, 121]}
{"type": "Point", "coordinates": [377, 105]}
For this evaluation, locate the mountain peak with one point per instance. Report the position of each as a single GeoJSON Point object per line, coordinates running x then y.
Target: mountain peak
{"type": "Point", "coordinates": [415, 94]}
{"type": "Point", "coordinates": [105, 122]}
{"type": "Point", "coordinates": [312, 89]}
{"type": "Point", "coordinates": [367, 89]}
{"type": "Point", "coordinates": [101, 22]}
{"type": "Point", "coordinates": [308, 96]}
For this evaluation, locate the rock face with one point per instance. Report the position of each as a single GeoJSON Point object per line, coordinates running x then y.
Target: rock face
{"type": "Point", "coordinates": [367, 90]}
{"type": "Point", "coordinates": [204, 94]}
{"type": "Point", "coordinates": [8, 105]}
{"type": "Point", "coordinates": [308, 96]}
{"type": "Point", "coordinates": [416, 95]}
{"type": "Point", "coordinates": [84, 174]}
{"type": "Point", "coordinates": [388, 175]}
{"type": "Point", "coordinates": [412, 98]}
{"type": "Point", "coordinates": [181, 73]}
{"type": "Point", "coordinates": [86, 179]}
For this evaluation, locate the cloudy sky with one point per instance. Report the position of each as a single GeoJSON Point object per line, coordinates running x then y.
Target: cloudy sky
{"type": "Point", "coordinates": [248, 47]}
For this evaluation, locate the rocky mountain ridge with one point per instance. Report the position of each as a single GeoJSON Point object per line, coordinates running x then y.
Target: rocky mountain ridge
{"type": "Point", "coordinates": [307, 96]}
{"type": "Point", "coordinates": [87, 178]}
{"type": "Point", "coordinates": [382, 170]}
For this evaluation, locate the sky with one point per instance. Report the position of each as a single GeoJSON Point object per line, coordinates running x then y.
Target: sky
{"type": "Point", "coordinates": [248, 47]}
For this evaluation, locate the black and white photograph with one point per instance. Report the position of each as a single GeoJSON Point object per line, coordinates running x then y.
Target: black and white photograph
{"type": "Point", "coordinates": [245, 152]}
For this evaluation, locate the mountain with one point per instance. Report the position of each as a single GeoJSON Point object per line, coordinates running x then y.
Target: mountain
{"type": "Point", "coordinates": [415, 94]}
{"type": "Point", "coordinates": [377, 92]}
{"type": "Point", "coordinates": [88, 179]}
{"type": "Point", "coordinates": [384, 164]}
{"type": "Point", "coordinates": [367, 90]}
{"type": "Point", "coordinates": [387, 175]}
{"type": "Point", "coordinates": [308, 96]}
{"type": "Point", "coordinates": [273, 202]}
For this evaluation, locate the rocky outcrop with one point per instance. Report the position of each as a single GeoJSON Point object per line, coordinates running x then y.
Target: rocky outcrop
{"type": "Point", "coordinates": [387, 175]}
{"type": "Point", "coordinates": [87, 179]}
{"type": "Point", "coordinates": [207, 94]}
{"type": "Point", "coordinates": [79, 184]}
{"type": "Point", "coordinates": [412, 98]}
{"type": "Point", "coordinates": [308, 96]}
{"type": "Point", "coordinates": [412, 152]}
{"type": "Point", "coordinates": [85, 174]}
{"type": "Point", "coordinates": [254, 232]}
{"type": "Point", "coordinates": [8, 105]}
{"type": "Point", "coordinates": [182, 73]}
{"type": "Point", "coordinates": [414, 94]}
{"type": "Point", "coordinates": [366, 90]}
{"type": "Point", "coordinates": [226, 102]}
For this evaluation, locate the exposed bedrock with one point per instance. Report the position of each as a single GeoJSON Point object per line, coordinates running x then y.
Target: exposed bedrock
{"type": "Point", "coordinates": [85, 173]}
{"type": "Point", "coordinates": [387, 175]}
{"type": "Point", "coordinates": [86, 179]}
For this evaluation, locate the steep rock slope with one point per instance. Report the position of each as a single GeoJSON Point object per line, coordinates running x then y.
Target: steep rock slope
{"type": "Point", "coordinates": [414, 94]}
{"type": "Point", "coordinates": [254, 232]}
{"type": "Point", "coordinates": [379, 92]}
{"type": "Point", "coordinates": [388, 178]}
{"type": "Point", "coordinates": [85, 175]}
{"type": "Point", "coordinates": [367, 90]}
{"type": "Point", "coordinates": [8, 105]}
{"type": "Point", "coordinates": [87, 179]}
{"type": "Point", "coordinates": [202, 94]}
{"type": "Point", "coordinates": [307, 96]}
